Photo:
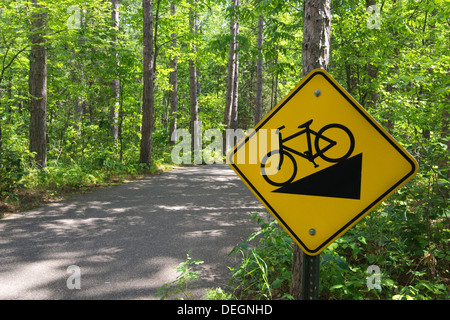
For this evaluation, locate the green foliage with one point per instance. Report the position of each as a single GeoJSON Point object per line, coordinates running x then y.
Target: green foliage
{"type": "Point", "coordinates": [380, 239]}
{"type": "Point", "coordinates": [181, 287]}
{"type": "Point", "coordinates": [406, 273]}
{"type": "Point", "coordinates": [217, 294]}
{"type": "Point", "coordinates": [408, 269]}
{"type": "Point", "coordinates": [60, 178]}
{"type": "Point", "coordinates": [264, 271]}
{"type": "Point", "coordinates": [183, 283]}
{"type": "Point", "coordinates": [12, 171]}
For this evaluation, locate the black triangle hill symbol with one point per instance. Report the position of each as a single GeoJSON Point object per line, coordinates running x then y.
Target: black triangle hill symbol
{"type": "Point", "coordinates": [342, 180]}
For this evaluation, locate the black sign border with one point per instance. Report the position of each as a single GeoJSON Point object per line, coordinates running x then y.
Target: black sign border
{"type": "Point", "coordinates": [362, 112]}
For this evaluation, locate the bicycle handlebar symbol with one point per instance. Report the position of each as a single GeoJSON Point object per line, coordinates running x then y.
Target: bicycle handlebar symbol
{"type": "Point", "coordinates": [287, 153]}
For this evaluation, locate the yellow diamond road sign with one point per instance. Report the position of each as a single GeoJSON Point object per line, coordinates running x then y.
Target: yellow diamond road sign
{"type": "Point", "coordinates": [319, 162]}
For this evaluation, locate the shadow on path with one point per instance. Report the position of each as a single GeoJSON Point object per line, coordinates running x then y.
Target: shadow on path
{"type": "Point", "coordinates": [127, 239]}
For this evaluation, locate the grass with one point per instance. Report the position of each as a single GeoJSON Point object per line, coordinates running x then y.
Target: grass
{"type": "Point", "coordinates": [347, 266]}
{"type": "Point", "coordinates": [40, 187]}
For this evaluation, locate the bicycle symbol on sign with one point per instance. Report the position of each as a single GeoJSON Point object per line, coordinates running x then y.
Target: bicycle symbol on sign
{"type": "Point", "coordinates": [322, 145]}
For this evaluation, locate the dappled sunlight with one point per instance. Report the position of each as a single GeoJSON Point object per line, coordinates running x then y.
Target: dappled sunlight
{"type": "Point", "coordinates": [173, 208]}
{"type": "Point", "coordinates": [127, 239]}
{"type": "Point", "coordinates": [204, 234]}
{"type": "Point", "coordinates": [31, 280]}
{"type": "Point", "coordinates": [105, 255]}
{"type": "Point", "coordinates": [77, 226]}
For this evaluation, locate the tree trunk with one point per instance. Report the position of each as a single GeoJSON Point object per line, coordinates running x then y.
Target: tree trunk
{"type": "Point", "coordinates": [272, 100]}
{"type": "Point", "coordinates": [230, 80]}
{"type": "Point", "coordinates": [235, 98]}
{"type": "Point", "coordinates": [316, 53]}
{"type": "Point", "coordinates": [388, 123]}
{"type": "Point", "coordinates": [193, 78]}
{"type": "Point", "coordinates": [230, 118]}
{"type": "Point", "coordinates": [38, 86]}
{"type": "Point", "coordinates": [115, 83]}
{"type": "Point", "coordinates": [148, 93]}
{"type": "Point", "coordinates": [174, 83]}
{"type": "Point", "coordinates": [259, 72]}
{"type": "Point", "coordinates": [234, 107]}
{"type": "Point", "coordinates": [316, 35]}
{"type": "Point", "coordinates": [372, 72]}
{"type": "Point", "coordinates": [80, 103]}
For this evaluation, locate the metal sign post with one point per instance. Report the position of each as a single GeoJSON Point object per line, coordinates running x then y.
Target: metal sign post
{"type": "Point", "coordinates": [310, 281]}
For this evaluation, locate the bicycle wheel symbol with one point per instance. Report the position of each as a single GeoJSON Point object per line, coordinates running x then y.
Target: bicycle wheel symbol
{"type": "Point", "coordinates": [278, 171]}
{"type": "Point", "coordinates": [327, 153]}
{"type": "Point", "coordinates": [279, 167]}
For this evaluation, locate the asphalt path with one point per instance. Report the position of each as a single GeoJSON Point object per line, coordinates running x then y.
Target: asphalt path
{"type": "Point", "coordinates": [125, 240]}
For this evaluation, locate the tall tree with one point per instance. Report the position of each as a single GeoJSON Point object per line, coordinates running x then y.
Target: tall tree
{"type": "Point", "coordinates": [316, 35]}
{"type": "Point", "coordinates": [38, 84]}
{"type": "Point", "coordinates": [316, 53]}
{"type": "Point", "coordinates": [372, 71]}
{"type": "Point", "coordinates": [193, 77]}
{"type": "Point", "coordinates": [149, 78]}
{"type": "Point", "coordinates": [174, 83]}
{"type": "Point", "coordinates": [235, 90]}
{"type": "Point", "coordinates": [115, 83]}
{"type": "Point", "coordinates": [80, 101]}
{"type": "Point", "coordinates": [259, 71]}
{"type": "Point", "coordinates": [231, 114]}
{"type": "Point", "coordinates": [235, 98]}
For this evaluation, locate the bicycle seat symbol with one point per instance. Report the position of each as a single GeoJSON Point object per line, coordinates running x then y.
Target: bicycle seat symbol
{"type": "Point", "coordinates": [321, 148]}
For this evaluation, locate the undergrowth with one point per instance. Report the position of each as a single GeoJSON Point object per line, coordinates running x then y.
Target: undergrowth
{"type": "Point", "coordinates": [346, 271]}
{"type": "Point", "coordinates": [24, 185]}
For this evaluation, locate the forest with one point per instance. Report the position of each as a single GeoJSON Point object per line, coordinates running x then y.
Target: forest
{"type": "Point", "coordinates": [93, 92]}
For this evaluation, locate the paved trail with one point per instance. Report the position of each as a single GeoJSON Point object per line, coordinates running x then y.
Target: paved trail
{"type": "Point", "coordinates": [127, 239]}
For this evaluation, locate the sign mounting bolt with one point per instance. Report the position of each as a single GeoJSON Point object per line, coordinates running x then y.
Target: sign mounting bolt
{"type": "Point", "coordinates": [317, 93]}
{"type": "Point", "coordinates": [312, 231]}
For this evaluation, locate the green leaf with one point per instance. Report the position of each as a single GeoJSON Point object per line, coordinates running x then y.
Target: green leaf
{"type": "Point", "coordinates": [337, 286]}
{"type": "Point", "coordinates": [362, 239]}
{"type": "Point", "coordinates": [277, 283]}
